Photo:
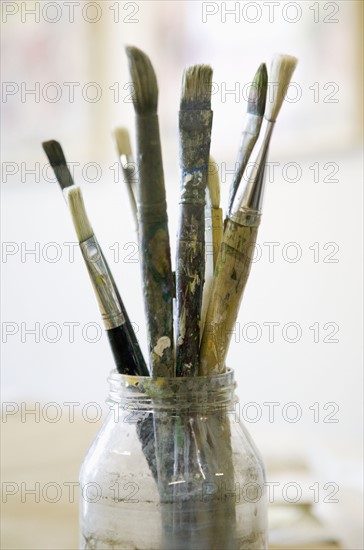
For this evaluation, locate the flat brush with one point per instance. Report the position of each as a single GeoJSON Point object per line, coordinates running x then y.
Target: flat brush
{"type": "Point", "coordinates": [58, 162]}
{"type": "Point", "coordinates": [112, 315]}
{"type": "Point", "coordinates": [195, 121]}
{"type": "Point", "coordinates": [122, 141]}
{"type": "Point", "coordinates": [152, 217]}
{"type": "Point", "coordinates": [252, 124]}
{"type": "Point", "coordinates": [233, 265]}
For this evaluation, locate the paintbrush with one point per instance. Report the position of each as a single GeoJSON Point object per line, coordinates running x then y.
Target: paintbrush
{"type": "Point", "coordinates": [252, 124]}
{"type": "Point", "coordinates": [233, 265]}
{"type": "Point", "coordinates": [152, 217]}
{"type": "Point", "coordinates": [58, 162]}
{"type": "Point", "coordinates": [195, 121]}
{"type": "Point", "coordinates": [213, 234]}
{"type": "Point", "coordinates": [122, 141]}
{"type": "Point", "coordinates": [112, 315]}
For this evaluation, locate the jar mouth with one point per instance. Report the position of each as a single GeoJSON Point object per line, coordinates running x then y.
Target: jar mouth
{"type": "Point", "coordinates": [217, 388]}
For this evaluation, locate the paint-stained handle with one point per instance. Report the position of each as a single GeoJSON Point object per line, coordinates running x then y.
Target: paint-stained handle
{"type": "Point", "coordinates": [190, 273]}
{"type": "Point", "coordinates": [231, 274]}
{"type": "Point", "coordinates": [158, 295]}
{"type": "Point", "coordinates": [155, 252]}
{"type": "Point", "coordinates": [195, 137]}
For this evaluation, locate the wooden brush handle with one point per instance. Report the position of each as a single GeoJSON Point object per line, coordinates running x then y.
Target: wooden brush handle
{"type": "Point", "coordinates": [126, 358]}
{"type": "Point", "coordinates": [190, 274]}
{"type": "Point", "coordinates": [158, 295]}
{"type": "Point", "coordinates": [154, 247]}
{"type": "Point", "coordinates": [231, 274]}
{"type": "Point", "coordinates": [195, 138]}
{"type": "Point", "coordinates": [217, 232]}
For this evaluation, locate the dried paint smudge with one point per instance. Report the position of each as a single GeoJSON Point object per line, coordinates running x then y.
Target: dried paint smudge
{"type": "Point", "coordinates": [164, 342]}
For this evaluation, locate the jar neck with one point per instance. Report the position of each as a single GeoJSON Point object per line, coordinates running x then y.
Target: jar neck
{"type": "Point", "coordinates": [144, 392]}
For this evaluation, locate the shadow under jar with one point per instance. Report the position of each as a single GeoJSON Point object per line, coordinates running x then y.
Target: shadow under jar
{"type": "Point", "coordinates": [173, 468]}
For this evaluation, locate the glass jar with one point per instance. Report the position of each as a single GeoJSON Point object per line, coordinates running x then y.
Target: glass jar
{"type": "Point", "coordinates": [173, 468]}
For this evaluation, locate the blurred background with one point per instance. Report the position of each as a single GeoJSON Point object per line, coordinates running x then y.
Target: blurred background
{"type": "Point", "coordinates": [297, 349]}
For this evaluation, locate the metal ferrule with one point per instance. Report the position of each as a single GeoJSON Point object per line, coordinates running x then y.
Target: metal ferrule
{"type": "Point", "coordinates": [250, 196]}
{"type": "Point", "coordinates": [102, 282]}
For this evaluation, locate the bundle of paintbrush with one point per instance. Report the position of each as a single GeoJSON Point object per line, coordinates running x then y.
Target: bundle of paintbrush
{"type": "Point", "coordinates": [123, 342]}
{"type": "Point", "coordinates": [195, 340]}
{"type": "Point", "coordinates": [204, 315]}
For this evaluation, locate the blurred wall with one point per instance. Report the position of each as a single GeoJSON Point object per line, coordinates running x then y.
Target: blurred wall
{"type": "Point", "coordinates": [299, 332]}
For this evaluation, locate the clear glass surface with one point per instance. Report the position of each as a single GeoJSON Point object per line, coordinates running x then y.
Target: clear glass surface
{"type": "Point", "coordinates": [173, 467]}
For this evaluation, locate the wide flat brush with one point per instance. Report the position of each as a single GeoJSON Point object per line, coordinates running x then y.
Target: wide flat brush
{"type": "Point", "coordinates": [233, 265]}
{"type": "Point", "coordinates": [195, 121]}
{"type": "Point", "coordinates": [58, 162]}
{"type": "Point", "coordinates": [152, 217]}
{"type": "Point", "coordinates": [252, 124]}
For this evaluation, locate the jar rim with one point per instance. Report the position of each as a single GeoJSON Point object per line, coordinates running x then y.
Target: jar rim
{"type": "Point", "coordinates": [219, 387]}
{"type": "Point", "coordinates": [133, 380]}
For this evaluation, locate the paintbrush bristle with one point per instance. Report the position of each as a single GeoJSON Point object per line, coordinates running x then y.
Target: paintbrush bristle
{"type": "Point", "coordinates": [258, 92]}
{"type": "Point", "coordinates": [213, 183]}
{"type": "Point", "coordinates": [145, 92]}
{"type": "Point", "coordinates": [196, 87]}
{"type": "Point", "coordinates": [122, 141]}
{"type": "Point", "coordinates": [280, 76]}
{"type": "Point", "coordinates": [79, 216]}
{"type": "Point", "coordinates": [57, 160]}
